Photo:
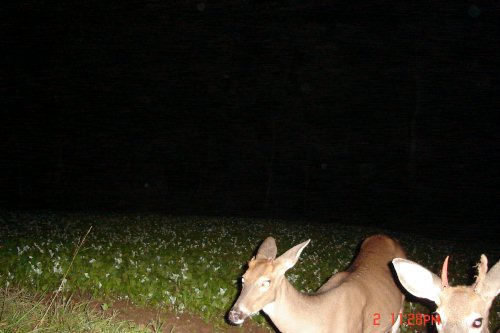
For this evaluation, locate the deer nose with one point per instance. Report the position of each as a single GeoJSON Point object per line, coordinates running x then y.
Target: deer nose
{"type": "Point", "coordinates": [236, 317]}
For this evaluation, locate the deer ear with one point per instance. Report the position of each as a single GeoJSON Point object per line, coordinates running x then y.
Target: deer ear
{"type": "Point", "coordinates": [482, 268]}
{"type": "Point", "coordinates": [417, 280]}
{"type": "Point", "coordinates": [491, 284]}
{"type": "Point", "coordinates": [267, 249]}
{"type": "Point", "coordinates": [288, 259]}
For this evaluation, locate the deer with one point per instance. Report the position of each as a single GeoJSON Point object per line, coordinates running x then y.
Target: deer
{"type": "Point", "coordinates": [461, 309]}
{"type": "Point", "coordinates": [360, 299]}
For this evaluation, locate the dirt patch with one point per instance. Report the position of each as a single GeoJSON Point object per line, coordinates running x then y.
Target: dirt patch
{"type": "Point", "coordinates": [183, 323]}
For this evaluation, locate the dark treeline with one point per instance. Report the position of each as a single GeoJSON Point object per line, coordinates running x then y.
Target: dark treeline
{"type": "Point", "coordinates": [359, 111]}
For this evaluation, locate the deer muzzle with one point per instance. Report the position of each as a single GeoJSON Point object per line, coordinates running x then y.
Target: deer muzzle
{"type": "Point", "coordinates": [236, 316]}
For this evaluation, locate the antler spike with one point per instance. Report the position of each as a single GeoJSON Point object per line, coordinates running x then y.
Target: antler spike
{"type": "Point", "coordinates": [444, 273]}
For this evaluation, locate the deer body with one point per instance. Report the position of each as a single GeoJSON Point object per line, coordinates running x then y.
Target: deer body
{"type": "Point", "coordinates": [462, 309]}
{"type": "Point", "coordinates": [349, 301]}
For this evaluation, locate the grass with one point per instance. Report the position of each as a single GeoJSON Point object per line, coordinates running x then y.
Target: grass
{"type": "Point", "coordinates": [21, 311]}
{"type": "Point", "coordinates": [189, 263]}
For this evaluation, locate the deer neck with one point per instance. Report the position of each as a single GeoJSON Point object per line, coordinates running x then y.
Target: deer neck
{"type": "Point", "coordinates": [292, 310]}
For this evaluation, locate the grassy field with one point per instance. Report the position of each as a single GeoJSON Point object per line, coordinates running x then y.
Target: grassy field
{"type": "Point", "coordinates": [22, 311]}
{"type": "Point", "coordinates": [190, 263]}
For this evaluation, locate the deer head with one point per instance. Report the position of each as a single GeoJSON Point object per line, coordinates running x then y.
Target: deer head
{"type": "Point", "coordinates": [263, 279]}
{"type": "Point", "coordinates": [461, 308]}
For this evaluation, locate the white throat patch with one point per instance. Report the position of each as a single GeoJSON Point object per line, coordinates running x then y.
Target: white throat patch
{"type": "Point", "coordinates": [269, 309]}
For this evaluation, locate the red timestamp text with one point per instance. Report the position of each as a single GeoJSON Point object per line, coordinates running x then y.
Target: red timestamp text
{"type": "Point", "coordinates": [409, 319]}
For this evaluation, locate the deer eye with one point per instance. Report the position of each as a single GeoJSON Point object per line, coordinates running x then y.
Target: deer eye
{"type": "Point", "coordinates": [477, 323]}
{"type": "Point", "coordinates": [265, 283]}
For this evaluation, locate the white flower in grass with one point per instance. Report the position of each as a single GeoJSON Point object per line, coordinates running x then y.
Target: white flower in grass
{"type": "Point", "coordinates": [172, 299]}
{"type": "Point", "coordinates": [39, 248]}
{"type": "Point", "coordinates": [293, 277]}
{"type": "Point", "coordinates": [91, 261]}
{"type": "Point", "coordinates": [222, 291]}
{"type": "Point", "coordinates": [87, 275]}
{"type": "Point", "coordinates": [38, 269]}
{"type": "Point", "coordinates": [118, 261]}
{"type": "Point", "coordinates": [57, 268]}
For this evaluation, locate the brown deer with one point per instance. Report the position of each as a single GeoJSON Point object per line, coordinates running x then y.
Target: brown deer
{"type": "Point", "coordinates": [361, 299]}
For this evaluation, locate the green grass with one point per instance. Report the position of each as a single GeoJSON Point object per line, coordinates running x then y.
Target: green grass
{"type": "Point", "coordinates": [21, 311]}
{"type": "Point", "coordinates": [188, 263]}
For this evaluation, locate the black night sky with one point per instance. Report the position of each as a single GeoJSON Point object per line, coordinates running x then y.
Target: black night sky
{"type": "Point", "coordinates": [373, 112]}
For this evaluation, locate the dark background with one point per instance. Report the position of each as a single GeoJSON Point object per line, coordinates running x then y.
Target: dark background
{"type": "Point", "coordinates": [372, 112]}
